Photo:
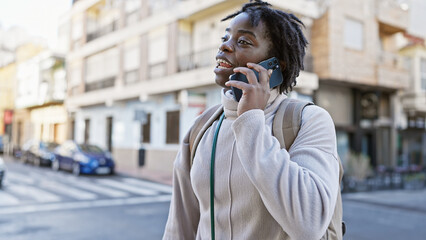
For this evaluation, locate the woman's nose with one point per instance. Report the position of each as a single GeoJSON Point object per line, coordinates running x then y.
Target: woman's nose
{"type": "Point", "coordinates": [226, 46]}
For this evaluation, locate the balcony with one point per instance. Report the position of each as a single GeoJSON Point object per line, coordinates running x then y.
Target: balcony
{"type": "Point", "coordinates": [392, 71]}
{"type": "Point", "coordinates": [101, 31]}
{"type": "Point", "coordinates": [200, 59]}
{"type": "Point", "coordinates": [414, 102]}
{"type": "Point", "coordinates": [391, 16]}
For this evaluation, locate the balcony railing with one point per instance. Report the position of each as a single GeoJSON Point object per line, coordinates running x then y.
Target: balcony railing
{"type": "Point", "coordinates": [393, 60]}
{"type": "Point", "coordinates": [113, 26]}
{"type": "Point", "coordinates": [196, 60]}
{"type": "Point", "coordinates": [131, 77]}
{"type": "Point", "coordinates": [414, 101]}
{"type": "Point", "coordinates": [105, 83]}
{"type": "Point", "coordinates": [157, 70]}
{"type": "Point", "coordinates": [132, 17]}
{"type": "Point", "coordinates": [393, 70]}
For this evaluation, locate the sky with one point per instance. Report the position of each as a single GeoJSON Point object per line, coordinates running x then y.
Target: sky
{"type": "Point", "coordinates": [38, 18]}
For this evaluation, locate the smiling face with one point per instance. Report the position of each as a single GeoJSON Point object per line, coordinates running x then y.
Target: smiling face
{"type": "Point", "coordinates": [241, 44]}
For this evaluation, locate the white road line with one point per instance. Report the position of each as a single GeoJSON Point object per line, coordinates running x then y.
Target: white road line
{"type": "Point", "coordinates": [101, 190]}
{"type": "Point", "coordinates": [35, 193]}
{"type": "Point", "coordinates": [156, 186]}
{"type": "Point", "coordinates": [67, 190]}
{"type": "Point", "coordinates": [7, 199]}
{"type": "Point", "coordinates": [17, 177]}
{"type": "Point", "coordinates": [126, 187]}
{"type": "Point", "coordinates": [83, 204]}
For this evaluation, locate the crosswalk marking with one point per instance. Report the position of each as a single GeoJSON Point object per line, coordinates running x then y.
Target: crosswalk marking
{"type": "Point", "coordinates": [101, 190]}
{"type": "Point", "coordinates": [67, 190]}
{"type": "Point", "coordinates": [123, 186]}
{"type": "Point", "coordinates": [7, 199]}
{"type": "Point", "coordinates": [155, 186]}
{"type": "Point", "coordinates": [35, 193]}
{"type": "Point", "coordinates": [83, 204]}
{"type": "Point", "coordinates": [16, 177]}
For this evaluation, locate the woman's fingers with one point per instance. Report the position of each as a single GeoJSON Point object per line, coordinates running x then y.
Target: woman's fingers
{"type": "Point", "coordinates": [251, 77]}
{"type": "Point", "coordinates": [263, 73]}
{"type": "Point", "coordinates": [238, 84]}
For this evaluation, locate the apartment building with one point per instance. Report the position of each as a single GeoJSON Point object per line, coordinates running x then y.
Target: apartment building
{"type": "Point", "coordinates": [10, 40]}
{"type": "Point", "coordinates": [40, 91]}
{"type": "Point", "coordinates": [412, 130]}
{"type": "Point", "coordinates": [355, 48]}
{"type": "Point", "coordinates": [140, 71]}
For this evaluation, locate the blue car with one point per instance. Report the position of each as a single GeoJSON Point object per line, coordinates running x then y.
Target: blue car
{"type": "Point", "coordinates": [83, 158]}
{"type": "Point", "coordinates": [38, 152]}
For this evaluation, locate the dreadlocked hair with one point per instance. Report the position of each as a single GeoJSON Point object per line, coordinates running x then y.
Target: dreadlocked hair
{"type": "Point", "coordinates": [285, 33]}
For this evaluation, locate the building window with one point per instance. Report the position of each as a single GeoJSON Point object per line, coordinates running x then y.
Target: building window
{"type": "Point", "coordinates": [132, 11]}
{"type": "Point", "coordinates": [423, 73]}
{"type": "Point", "coordinates": [354, 34]}
{"type": "Point", "coordinates": [172, 134]}
{"type": "Point", "coordinates": [157, 53]}
{"type": "Point", "coordinates": [146, 129]}
{"type": "Point", "coordinates": [131, 61]}
{"type": "Point", "coordinates": [101, 70]}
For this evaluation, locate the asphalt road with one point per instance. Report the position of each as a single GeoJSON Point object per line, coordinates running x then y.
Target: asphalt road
{"type": "Point", "coordinates": [39, 204]}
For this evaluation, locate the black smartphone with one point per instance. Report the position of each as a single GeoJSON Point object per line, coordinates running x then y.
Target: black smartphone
{"type": "Point", "coordinates": [275, 80]}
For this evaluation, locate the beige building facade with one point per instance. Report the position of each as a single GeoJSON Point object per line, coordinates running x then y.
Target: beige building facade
{"type": "Point", "coordinates": [412, 130]}
{"type": "Point", "coordinates": [40, 91]}
{"type": "Point", "coordinates": [140, 71]}
{"type": "Point", "coordinates": [355, 48]}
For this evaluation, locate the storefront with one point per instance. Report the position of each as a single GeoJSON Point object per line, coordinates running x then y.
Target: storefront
{"type": "Point", "coordinates": [363, 121]}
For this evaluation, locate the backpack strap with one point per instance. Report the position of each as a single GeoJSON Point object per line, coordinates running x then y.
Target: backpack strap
{"type": "Point", "coordinates": [287, 121]}
{"type": "Point", "coordinates": [203, 122]}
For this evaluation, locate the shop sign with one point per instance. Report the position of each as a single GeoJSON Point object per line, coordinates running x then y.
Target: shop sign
{"type": "Point", "coordinates": [370, 105]}
{"type": "Point", "coordinates": [8, 117]}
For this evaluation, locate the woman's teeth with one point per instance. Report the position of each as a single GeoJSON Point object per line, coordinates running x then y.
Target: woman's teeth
{"type": "Point", "coordinates": [223, 64]}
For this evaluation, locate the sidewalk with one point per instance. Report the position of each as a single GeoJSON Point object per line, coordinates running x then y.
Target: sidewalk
{"type": "Point", "coordinates": [150, 175]}
{"type": "Point", "coordinates": [412, 200]}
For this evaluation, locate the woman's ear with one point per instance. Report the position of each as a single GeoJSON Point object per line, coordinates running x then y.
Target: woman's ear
{"type": "Point", "coordinates": [282, 65]}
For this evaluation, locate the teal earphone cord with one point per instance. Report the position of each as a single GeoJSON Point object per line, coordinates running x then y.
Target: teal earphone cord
{"type": "Point", "coordinates": [212, 174]}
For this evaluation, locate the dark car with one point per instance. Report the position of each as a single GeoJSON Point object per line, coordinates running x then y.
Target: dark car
{"type": "Point", "coordinates": [2, 171]}
{"type": "Point", "coordinates": [1, 144]}
{"type": "Point", "coordinates": [83, 158]}
{"type": "Point", "coordinates": [39, 152]}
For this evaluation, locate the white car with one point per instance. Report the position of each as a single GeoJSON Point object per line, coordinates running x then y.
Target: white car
{"type": "Point", "coordinates": [2, 170]}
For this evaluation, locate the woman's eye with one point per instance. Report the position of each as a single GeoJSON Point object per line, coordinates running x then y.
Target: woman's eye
{"type": "Point", "coordinates": [243, 42]}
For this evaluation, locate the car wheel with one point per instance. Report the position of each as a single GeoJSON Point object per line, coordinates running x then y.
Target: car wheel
{"type": "Point", "coordinates": [76, 169]}
{"type": "Point", "coordinates": [37, 161]}
{"type": "Point", "coordinates": [55, 165]}
{"type": "Point", "coordinates": [24, 159]}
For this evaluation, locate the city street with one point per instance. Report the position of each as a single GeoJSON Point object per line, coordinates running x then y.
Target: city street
{"type": "Point", "coordinates": [39, 204]}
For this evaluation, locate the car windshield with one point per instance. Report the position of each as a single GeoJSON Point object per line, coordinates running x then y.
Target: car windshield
{"type": "Point", "coordinates": [90, 148]}
{"type": "Point", "coordinates": [50, 146]}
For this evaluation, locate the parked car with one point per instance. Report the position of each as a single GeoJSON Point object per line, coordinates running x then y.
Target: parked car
{"type": "Point", "coordinates": [2, 171]}
{"type": "Point", "coordinates": [83, 158]}
{"type": "Point", "coordinates": [39, 152]}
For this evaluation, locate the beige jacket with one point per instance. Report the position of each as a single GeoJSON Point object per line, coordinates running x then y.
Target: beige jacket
{"type": "Point", "coordinates": [261, 191]}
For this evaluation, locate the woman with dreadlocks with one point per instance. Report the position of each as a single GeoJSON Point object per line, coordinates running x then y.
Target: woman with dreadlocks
{"type": "Point", "coordinates": [259, 190]}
